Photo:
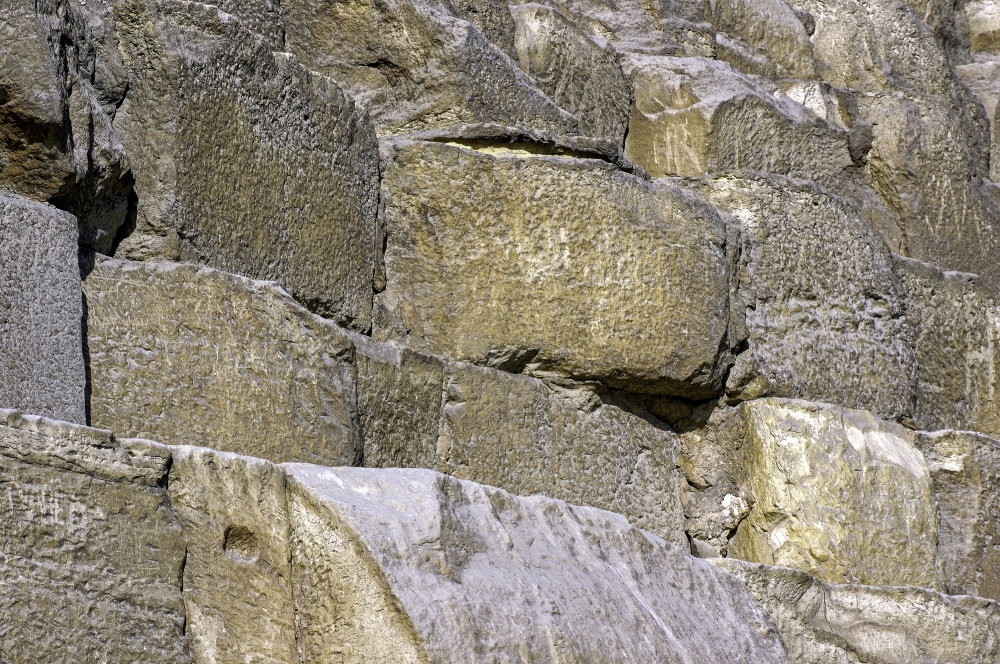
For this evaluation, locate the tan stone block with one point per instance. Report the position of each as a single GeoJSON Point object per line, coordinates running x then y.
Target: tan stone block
{"type": "Point", "coordinates": [838, 493]}
{"type": "Point", "coordinates": [965, 472]}
{"type": "Point", "coordinates": [486, 240]}
{"type": "Point", "coordinates": [414, 566]}
{"type": "Point", "coordinates": [772, 28]}
{"type": "Point", "coordinates": [189, 355]}
{"type": "Point", "coordinates": [823, 623]}
{"type": "Point", "coordinates": [90, 553]}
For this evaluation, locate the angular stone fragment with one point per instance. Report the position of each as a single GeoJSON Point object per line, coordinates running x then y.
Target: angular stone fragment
{"type": "Point", "coordinates": [41, 312]}
{"type": "Point", "coordinates": [693, 115]}
{"type": "Point", "coordinates": [245, 160]}
{"type": "Point", "coordinates": [237, 576]}
{"type": "Point", "coordinates": [415, 566]}
{"type": "Point", "coordinates": [90, 553]}
{"type": "Point", "coordinates": [189, 355]}
{"type": "Point", "coordinates": [418, 65]}
{"type": "Point", "coordinates": [841, 624]}
{"type": "Point", "coordinates": [824, 311]}
{"type": "Point", "coordinates": [573, 71]}
{"type": "Point", "coordinates": [965, 471]}
{"type": "Point", "coordinates": [485, 241]}
{"type": "Point", "coordinates": [957, 338]}
{"type": "Point", "coordinates": [982, 23]}
{"type": "Point", "coordinates": [771, 27]}
{"type": "Point", "coordinates": [838, 493]}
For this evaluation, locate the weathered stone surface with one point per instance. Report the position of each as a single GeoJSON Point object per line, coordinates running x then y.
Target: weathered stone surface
{"type": "Point", "coordinates": [90, 554]}
{"type": "Point", "coordinates": [61, 78]}
{"type": "Point", "coordinates": [965, 471]}
{"type": "Point", "coordinates": [415, 566]}
{"type": "Point", "coordinates": [399, 404]}
{"type": "Point", "coordinates": [693, 115]}
{"type": "Point", "coordinates": [189, 355]}
{"type": "Point", "coordinates": [237, 576]}
{"type": "Point", "coordinates": [418, 64]}
{"type": "Point", "coordinates": [573, 71]}
{"type": "Point", "coordinates": [772, 28]}
{"type": "Point", "coordinates": [957, 336]}
{"type": "Point", "coordinates": [824, 310]}
{"type": "Point", "coordinates": [821, 623]}
{"type": "Point", "coordinates": [246, 161]}
{"type": "Point", "coordinates": [485, 241]}
{"type": "Point", "coordinates": [983, 80]}
{"type": "Point", "coordinates": [41, 312]}
{"type": "Point", "coordinates": [838, 493]}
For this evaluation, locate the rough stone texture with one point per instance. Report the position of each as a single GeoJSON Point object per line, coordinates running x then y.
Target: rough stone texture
{"type": "Point", "coordinates": [771, 28]}
{"type": "Point", "coordinates": [41, 312]}
{"type": "Point", "coordinates": [842, 624]}
{"type": "Point", "coordinates": [237, 576]}
{"type": "Point", "coordinates": [694, 115]}
{"type": "Point", "coordinates": [516, 433]}
{"type": "Point", "coordinates": [965, 472]}
{"type": "Point", "coordinates": [486, 241]}
{"type": "Point", "coordinates": [189, 355]}
{"type": "Point", "coordinates": [573, 71]}
{"type": "Point", "coordinates": [838, 493]}
{"type": "Point", "coordinates": [415, 566]}
{"type": "Point", "coordinates": [399, 404]}
{"type": "Point", "coordinates": [957, 336]}
{"type": "Point", "coordinates": [246, 161]}
{"type": "Point", "coordinates": [824, 311]}
{"type": "Point", "coordinates": [420, 64]}
{"type": "Point", "coordinates": [90, 554]}
{"type": "Point", "coordinates": [61, 79]}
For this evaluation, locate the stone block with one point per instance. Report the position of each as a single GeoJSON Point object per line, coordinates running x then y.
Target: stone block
{"type": "Point", "coordinates": [411, 566]}
{"type": "Point", "coordinates": [772, 28]}
{"type": "Point", "coordinates": [41, 312]}
{"type": "Point", "coordinates": [90, 553]}
{"type": "Point", "coordinates": [837, 493]}
{"type": "Point", "coordinates": [485, 240]}
{"type": "Point", "coordinates": [965, 472]}
{"type": "Point", "coordinates": [823, 623]}
{"type": "Point", "coordinates": [245, 160]}
{"type": "Point", "coordinates": [188, 355]}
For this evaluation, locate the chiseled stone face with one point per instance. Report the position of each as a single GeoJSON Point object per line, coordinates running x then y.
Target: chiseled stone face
{"type": "Point", "coordinates": [956, 326]}
{"type": "Point", "coordinates": [418, 64]}
{"type": "Point", "coordinates": [554, 265]}
{"type": "Point", "coordinates": [90, 554]}
{"type": "Point", "coordinates": [965, 472]}
{"type": "Point", "coordinates": [245, 160]}
{"type": "Point", "coordinates": [580, 76]}
{"type": "Point", "coordinates": [822, 623]}
{"type": "Point", "coordinates": [41, 311]}
{"type": "Point", "coordinates": [416, 566]}
{"type": "Point", "coordinates": [824, 311]}
{"type": "Point", "coordinates": [772, 28]}
{"type": "Point", "coordinates": [838, 493]}
{"type": "Point", "coordinates": [187, 355]}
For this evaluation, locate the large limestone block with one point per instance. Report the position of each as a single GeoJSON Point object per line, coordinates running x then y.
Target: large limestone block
{"type": "Point", "coordinates": [61, 79]}
{"type": "Point", "coordinates": [983, 80]}
{"type": "Point", "coordinates": [41, 312]}
{"type": "Point", "coordinates": [694, 115]}
{"type": "Point", "coordinates": [838, 493]}
{"type": "Point", "coordinates": [189, 355]}
{"type": "Point", "coordinates": [413, 566]}
{"type": "Point", "coordinates": [957, 339]}
{"type": "Point", "coordinates": [822, 623]}
{"type": "Point", "coordinates": [420, 64]}
{"type": "Point", "coordinates": [237, 576]}
{"type": "Point", "coordinates": [982, 24]}
{"type": "Point", "coordinates": [965, 471]}
{"type": "Point", "coordinates": [772, 28]}
{"type": "Point", "coordinates": [245, 160]}
{"type": "Point", "coordinates": [487, 241]}
{"type": "Point", "coordinates": [90, 553]}
{"type": "Point", "coordinates": [516, 433]}
{"type": "Point", "coordinates": [573, 71]}
{"type": "Point", "coordinates": [824, 311]}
